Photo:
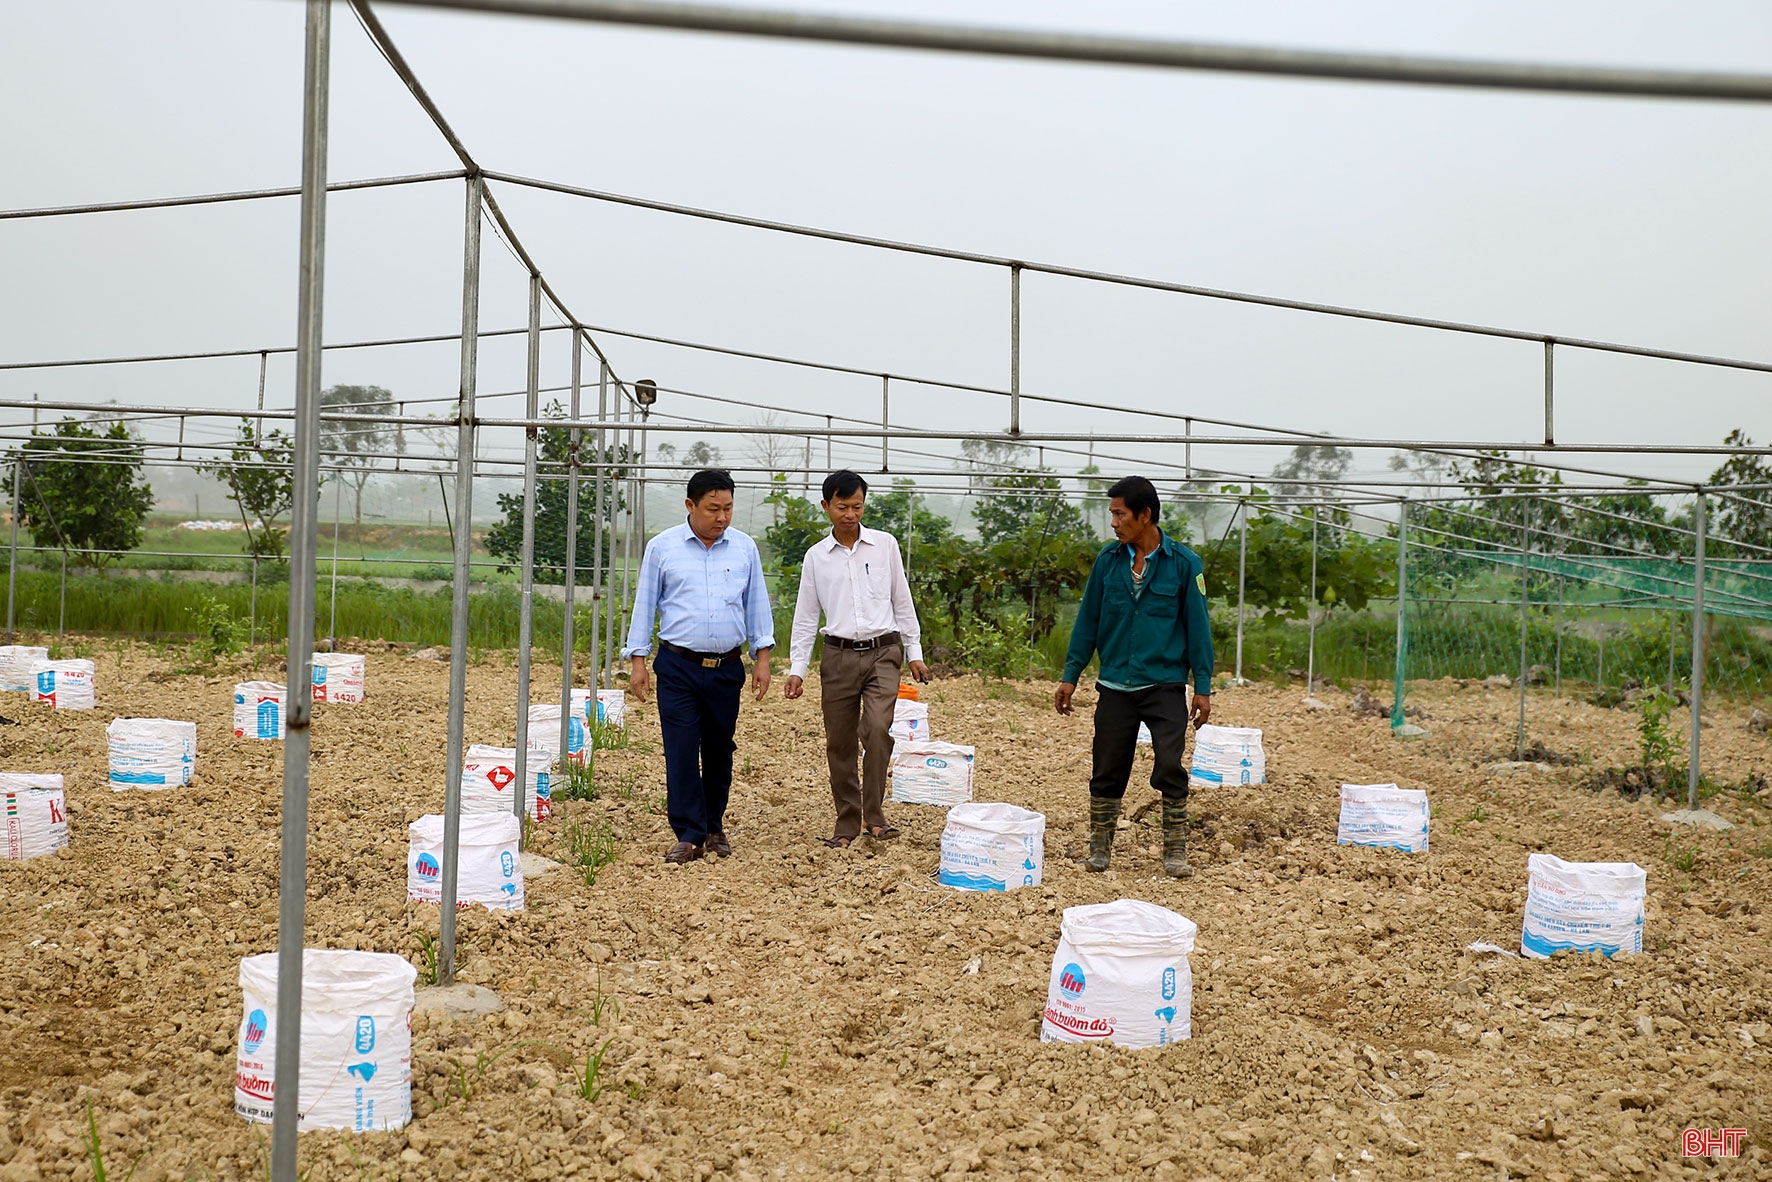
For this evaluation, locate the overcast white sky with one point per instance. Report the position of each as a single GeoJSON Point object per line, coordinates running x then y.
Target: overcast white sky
{"type": "Point", "coordinates": [1607, 218]}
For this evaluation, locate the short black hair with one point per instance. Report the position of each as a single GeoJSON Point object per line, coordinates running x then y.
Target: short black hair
{"type": "Point", "coordinates": [709, 480]}
{"type": "Point", "coordinates": [1138, 493]}
{"type": "Point", "coordinates": [844, 483]}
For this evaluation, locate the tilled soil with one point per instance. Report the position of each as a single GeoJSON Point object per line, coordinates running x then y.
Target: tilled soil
{"type": "Point", "coordinates": [796, 1010]}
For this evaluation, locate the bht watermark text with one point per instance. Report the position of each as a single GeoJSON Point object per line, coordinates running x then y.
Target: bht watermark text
{"type": "Point", "coordinates": [1705, 1142]}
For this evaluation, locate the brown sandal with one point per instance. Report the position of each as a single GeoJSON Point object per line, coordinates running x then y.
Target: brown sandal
{"type": "Point", "coordinates": [837, 843]}
{"type": "Point", "coordinates": [882, 832]}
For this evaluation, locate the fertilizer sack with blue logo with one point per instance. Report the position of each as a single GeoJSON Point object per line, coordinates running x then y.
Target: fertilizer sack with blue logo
{"type": "Point", "coordinates": [15, 665]}
{"type": "Point", "coordinates": [1228, 755]}
{"type": "Point", "coordinates": [356, 1040]}
{"type": "Point", "coordinates": [259, 708]}
{"type": "Point", "coordinates": [34, 813]}
{"type": "Point", "coordinates": [66, 685]}
{"type": "Point", "coordinates": [151, 753]}
{"type": "Point", "coordinates": [612, 707]}
{"type": "Point", "coordinates": [1121, 975]}
{"type": "Point", "coordinates": [992, 847]}
{"type": "Point", "coordinates": [490, 867]}
{"type": "Point", "coordinates": [931, 773]}
{"type": "Point", "coordinates": [338, 677]}
{"type": "Point", "coordinates": [1383, 815]}
{"type": "Point", "coordinates": [489, 778]}
{"type": "Point", "coordinates": [544, 731]}
{"type": "Point", "coordinates": [1585, 906]}
{"type": "Point", "coordinates": [910, 721]}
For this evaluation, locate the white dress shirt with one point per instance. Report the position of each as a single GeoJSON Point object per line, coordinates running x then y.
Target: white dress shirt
{"type": "Point", "coordinates": [862, 591]}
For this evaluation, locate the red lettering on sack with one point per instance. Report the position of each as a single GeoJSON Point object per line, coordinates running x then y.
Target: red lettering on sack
{"type": "Point", "coordinates": [1081, 1027]}
{"type": "Point", "coordinates": [254, 1085]}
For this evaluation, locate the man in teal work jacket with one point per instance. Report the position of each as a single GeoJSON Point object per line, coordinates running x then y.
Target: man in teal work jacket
{"type": "Point", "coordinates": [1144, 611]}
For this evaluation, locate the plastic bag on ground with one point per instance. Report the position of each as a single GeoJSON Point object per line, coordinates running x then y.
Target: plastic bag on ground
{"type": "Point", "coordinates": [356, 1040]}
{"type": "Point", "coordinates": [34, 811]}
{"type": "Point", "coordinates": [1584, 906]}
{"type": "Point", "coordinates": [931, 772]}
{"type": "Point", "coordinates": [15, 665]}
{"type": "Point", "coordinates": [338, 677]}
{"type": "Point", "coordinates": [1121, 975]}
{"type": "Point", "coordinates": [151, 753]}
{"type": "Point", "coordinates": [490, 864]}
{"type": "Point", "coordinates": [992, 847]}
{"type": "Point", "coordinates": [65, 685]}
{"type": "Point", "coordinates": [259, 708]}
{"type": "Point", "coordinates": [488, 774]}
{"type": "Point", "coordinates": [1228, 755]}
{"type": "Point", "coordinates": [1383, 815]}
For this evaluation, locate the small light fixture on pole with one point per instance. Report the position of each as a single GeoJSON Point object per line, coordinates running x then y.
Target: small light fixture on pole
{"type": "Point", "coordinates": [645, 393]}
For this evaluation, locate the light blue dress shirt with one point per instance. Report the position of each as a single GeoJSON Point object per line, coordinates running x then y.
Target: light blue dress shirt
{"type": "Point", "coordinates": [708, 599]}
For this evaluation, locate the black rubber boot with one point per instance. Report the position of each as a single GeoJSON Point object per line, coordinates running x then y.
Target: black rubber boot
{"type": "Point", "coordinates": [1175, 863]}
{"type": "Point", "coordinates": [1104, 818]}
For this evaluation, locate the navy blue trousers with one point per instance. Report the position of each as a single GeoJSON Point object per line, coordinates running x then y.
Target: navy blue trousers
{"type": "Point", "coordinates": [697, 711]}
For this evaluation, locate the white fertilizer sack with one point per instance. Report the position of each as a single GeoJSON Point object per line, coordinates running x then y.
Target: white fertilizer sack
{"type": "Point", "coordinates": [1383, 815]}
{"type": "Point", "coordinates": [931, 772]}
{"type": "Point", "coordinates": [356, 1040]}
{"type": "Point", "coordinates": [1228, 755]}
{"type": "Point", "coordinates": [15, 665]}
{"type": "Point", "coordinates": [992, 847]}
{"type": "Point", "coordinates": [34, 811]}
{"type": "Point", "coordinates": [491, 868]}
{"type": "Point", "coordinates": [1144, 735]}
{"type": "Point", "coordinates": [544, 731]}
{"type": "Point", "coordinates": [1121, 975]}
{"type": "Point", "coordinates": [612, 707]}
{"type": "Point", "coordinates": [910, 721]}
{"type": "Point", "coordinates": [488, 774]}
{"type": "Point", "coordinates": [66, 685]}
{"type": "Point", "coordinates": [259, 708]}
{"type": "Point", "coordinates": [1585, 906]}
{"type": "Point", "coordinates": [151, 753]}
{"type": "Point", "coordinates": [338, 677]}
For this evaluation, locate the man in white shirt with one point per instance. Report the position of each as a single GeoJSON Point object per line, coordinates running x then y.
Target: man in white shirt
{"type": "Point", "coordinates": [856, 578]}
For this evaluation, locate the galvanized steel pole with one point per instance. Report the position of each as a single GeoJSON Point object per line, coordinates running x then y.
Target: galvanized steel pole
{"type": "Point", "coordinates": [338, 490]}
{"type": "Point", "coordinates": [1015, 349]}
{"type": "Point", "coordinates": [603, 674]}
{"type": "Point", "coordinates": [1698, 653]}
{"type": "Point", "coordinates": [1525, 599]}
{"type": "Point", "coordinates": [568, 639]}
{"type": "Point", "coordinates": [1402, 609]}
{"type": "Point", "coordinates": [526, 579]}
{"type": "Point", "coordinates": [458, 607]}
{"type": "Point", "coordinates": [885, 441]}
{"type": "Point", "coordinates": [1550, 418]}
{"type": "Point", "coordinates": [628, 572]}
{"type": "Point", "coordinates": [292, 883]}
{"type": "Point", "coordinates": [1242, 577]}
{"type": "Point", "coordinates": [1310, 664]}
{"type": "Point", "coordinates": [18, 475]}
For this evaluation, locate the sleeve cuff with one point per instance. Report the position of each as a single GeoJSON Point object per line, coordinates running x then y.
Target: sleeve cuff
{"type": "Point", "coordinates": [765, 642]}
{"type": "Point", "coordinates": [913, 652]}
{"type": "Point", "coordinates": [1203, 685]}
{"type": "Point", "coordinates": [628, 653]}
{"type": "Point", "coordinates": [798, 669]}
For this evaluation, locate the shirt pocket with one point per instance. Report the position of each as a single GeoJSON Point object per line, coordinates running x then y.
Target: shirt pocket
{"type": "Point", "coordinates": [729, 586]}
{"type": "Point", "coordinates": [1163, 597]}
{"type": "Point", "coordinates": [876, 580]}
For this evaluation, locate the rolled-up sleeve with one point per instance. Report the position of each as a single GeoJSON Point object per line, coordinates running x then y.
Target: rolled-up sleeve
{"type": "Point", "coordinates": [646, 596]}
{"type": "Point", "coordinates": [759, 620]}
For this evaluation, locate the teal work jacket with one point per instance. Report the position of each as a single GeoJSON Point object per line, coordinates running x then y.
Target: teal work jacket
{"type": "Point", "coordinates": [1160, 638]}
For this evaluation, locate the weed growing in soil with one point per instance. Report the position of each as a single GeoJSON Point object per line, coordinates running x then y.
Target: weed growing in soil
{"type": "Point", "coordinates": [95, 1152]}
{"type": "Point", "coordinates": [604, 1002]}
{"type": "Point", "coordinates": [1680, 856]}
{"type": "Point", "coordinates": [1660, 741]}
{"type": "Point", "coordinates": [590, 847]}
{"type": "Point", "coordinates": [219, 631]}
{"type": "Point", "coordinates": [580, 783]}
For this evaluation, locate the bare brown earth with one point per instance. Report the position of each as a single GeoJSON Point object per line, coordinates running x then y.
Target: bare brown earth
{"type": "Point", "coordinates": [799, 1011]}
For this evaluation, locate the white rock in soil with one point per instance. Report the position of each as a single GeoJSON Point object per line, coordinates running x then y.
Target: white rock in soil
{"type": "Point", "coordinates": [460, 1000]}
{"type": "Point", "coordinates": [535, 866]}
{"type": "Point", "coordinates": [1703, 818]}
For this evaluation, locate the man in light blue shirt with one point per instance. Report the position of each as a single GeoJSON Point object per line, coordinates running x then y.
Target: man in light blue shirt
{"type": "Point", "coordinates": [703, 581]}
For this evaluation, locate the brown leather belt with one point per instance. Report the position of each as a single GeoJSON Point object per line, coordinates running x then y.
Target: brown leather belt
{"type": "Point", "coordinates": [705, 660]}
{"type": "Point", "coordinates": [862, 646]}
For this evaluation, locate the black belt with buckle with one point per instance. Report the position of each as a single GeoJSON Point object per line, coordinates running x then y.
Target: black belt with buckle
{"type": "Point", "coordinates": [705, 660]}
{"type": "Point", "coordinates": [862, 646]}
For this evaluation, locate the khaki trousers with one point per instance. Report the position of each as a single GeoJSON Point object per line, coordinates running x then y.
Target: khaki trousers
{"type": "Point", "coordinates": [858, 691]}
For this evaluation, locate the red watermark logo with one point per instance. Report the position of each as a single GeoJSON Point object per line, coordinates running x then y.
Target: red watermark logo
{"type": "Point", "coordinates": [1706, 1142]}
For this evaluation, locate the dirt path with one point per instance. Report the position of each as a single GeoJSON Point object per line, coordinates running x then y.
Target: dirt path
{"type": "Point", "coordinates": [801, 1011]}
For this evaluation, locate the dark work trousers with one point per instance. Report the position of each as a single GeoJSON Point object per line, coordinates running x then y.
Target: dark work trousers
{"type": "Point", "coordinates": [1163, 708]}
{"type": "Point", "coordinates": [697, 711]}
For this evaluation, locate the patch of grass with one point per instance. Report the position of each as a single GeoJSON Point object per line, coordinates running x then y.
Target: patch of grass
{"type": "Point", "coordinates": [604, 1003]}
{"type": "Point", "coordinates": [591, 846]}
{"type": "Point", "coordinates": [579, 783]}
{"type": "Point", "coordinates": [1680, 856]}
{"type": "Point", "coordinates": [95, 1153]}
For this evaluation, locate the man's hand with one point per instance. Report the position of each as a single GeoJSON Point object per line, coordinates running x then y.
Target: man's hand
{"type": "Point", "coordinates": [1202, 709]}
{"type": "Point", "coordinates": [1061, 699]}
{"type": "Point", "coordinates": [639, 679]}
{"type": "Point", "coordinates": [760, 674]}
{"type": "Point", "coordinates": [920, 671]}
{"type": "Point", "coordinates": [794, 688]}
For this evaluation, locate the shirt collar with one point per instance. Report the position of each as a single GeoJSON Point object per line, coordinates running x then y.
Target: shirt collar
{"type": "Point", "coordinates": [689, 535]}
{"type": "Point", "coordinates": [831, 542]}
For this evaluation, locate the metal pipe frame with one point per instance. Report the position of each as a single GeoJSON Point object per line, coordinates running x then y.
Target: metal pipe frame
{"type": "Point", "coordinates": [1135, 51]}
{"type": "Point", "coordinates": [56, 211]}
{"type": "Point", "coordinates": [1698, 650]}
{"type": "Point", "coordinates": [1402, 672]}
{"type": "Point", "coordinates": [464, 529]}
{"type": "Point", "coordinates": [568, 639]}
{"type": "Point", "coordinates": [602, 675]}
{"type": "Point", "coordinates": [303, 538]}
{"type": "Point", "coordinates": [526, 578]}
{"type": "Point", "coordinates": [1525, 600]}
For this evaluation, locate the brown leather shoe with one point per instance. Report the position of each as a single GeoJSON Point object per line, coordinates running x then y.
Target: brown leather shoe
{"type": "Point", "coordinates": [718, 844]}
{"type": "Point", "coordinates": [682, 853]}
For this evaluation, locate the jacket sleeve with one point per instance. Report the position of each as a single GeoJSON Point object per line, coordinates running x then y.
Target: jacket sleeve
{"type": "Point", "coordinates": [1084, 631]}
{"type": "Point", "coordinates": [1199, 627]}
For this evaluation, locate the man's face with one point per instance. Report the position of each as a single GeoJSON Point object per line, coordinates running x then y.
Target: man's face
{"type": "Point", "coordinates": [1127, 525]}
{"type": "Point", "coordinates": [710, 516]}
{"type": "Point", "coordinates": [845, 512]}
